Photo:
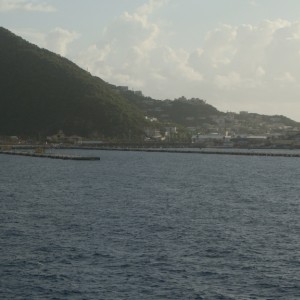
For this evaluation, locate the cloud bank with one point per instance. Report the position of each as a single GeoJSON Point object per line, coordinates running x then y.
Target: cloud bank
{"type": "Point", "coordinates": [245, 67]}
{"type": "Point", "coordinates": [133, 51]}
{"type": "Point", "coordinates": [254, 67]}
{"type": "Point", "coordinates": [29, 6]}
{"type": "Point", "coordinates": [57, 40]}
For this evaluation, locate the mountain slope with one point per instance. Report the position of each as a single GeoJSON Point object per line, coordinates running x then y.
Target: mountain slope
{"type": "Point", "coordinates": [42, 92]}
{"type": "Point", "coordinates": [199, 116]}
{"type": "Point", "coordinates": [181, 111]}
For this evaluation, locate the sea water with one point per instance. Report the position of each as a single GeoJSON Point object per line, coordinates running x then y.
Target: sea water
{"type": "Point", "coordinates": [140, 225]}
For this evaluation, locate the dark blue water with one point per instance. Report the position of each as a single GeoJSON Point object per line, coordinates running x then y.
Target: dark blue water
{"type": "Point", "coordinates": [150, 226]}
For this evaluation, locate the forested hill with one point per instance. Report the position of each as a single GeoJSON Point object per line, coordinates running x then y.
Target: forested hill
{"type": "Point", "coordinates": [203, 117]}
{"type": "Point", "coordinates": [42, 92]}
{"type": "Point", "coordinates": [182, 111]}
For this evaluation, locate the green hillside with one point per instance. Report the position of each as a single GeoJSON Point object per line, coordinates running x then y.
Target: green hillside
{"type": "Point", "coordinates": [42, 92]}
{"type": "Point", "coordinates": [181, 111]}
{"type": "Point", "coordinates": [198, 116]}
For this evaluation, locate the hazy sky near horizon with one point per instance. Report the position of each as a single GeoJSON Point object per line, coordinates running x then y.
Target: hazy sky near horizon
{"type": "Point", "coordinates": [235, 54]}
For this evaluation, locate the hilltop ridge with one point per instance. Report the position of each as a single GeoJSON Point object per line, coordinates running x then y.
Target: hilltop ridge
{"type": "Point", "coordinates": [196, 115]}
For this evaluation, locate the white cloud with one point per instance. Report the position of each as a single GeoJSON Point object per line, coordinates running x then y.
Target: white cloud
{"type": "Point", "coordinates": [133, 51]}
{"type": "Point", "coordinates": [261, 72]}
{"type": "Point", "coordinates": [24, 5]}
{"type": "Point", "coordinates": [235, 67]}
{"type": "Point", "coordinates": [228, 81]}
{"type": "Point", "coordinates": [56, 40]}
{"type": "Point", "coordinates": [220, 45]}
{"type": "Point", "coordinates": [253, 67]}
{"type": "Point", "coordinates": [150, 6]}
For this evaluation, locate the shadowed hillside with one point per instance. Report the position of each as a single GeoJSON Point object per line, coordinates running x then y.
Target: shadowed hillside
{"type": "Point", "coordinates": [42, 92]}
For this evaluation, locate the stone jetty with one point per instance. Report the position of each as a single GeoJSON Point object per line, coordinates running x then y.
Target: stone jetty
{"type": "Point", "coordinates": [50, 155]}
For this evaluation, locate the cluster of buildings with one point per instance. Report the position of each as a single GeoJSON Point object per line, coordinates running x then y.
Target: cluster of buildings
{"type": "Point", "coordinates": [291, 140]}
{"type": "Point", "coordinates": [288, 140]}
{"type": "Point", "coordinates": [215, 130]}
{"type": "Point", "coordinates": [238, 130]}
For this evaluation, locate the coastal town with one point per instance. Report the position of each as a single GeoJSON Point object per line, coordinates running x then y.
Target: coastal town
{"type": "Point", "coordinates": [230, 130]}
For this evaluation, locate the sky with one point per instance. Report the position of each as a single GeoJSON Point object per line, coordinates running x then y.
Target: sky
{"type": "Point", "coordinates": [238, 55]}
